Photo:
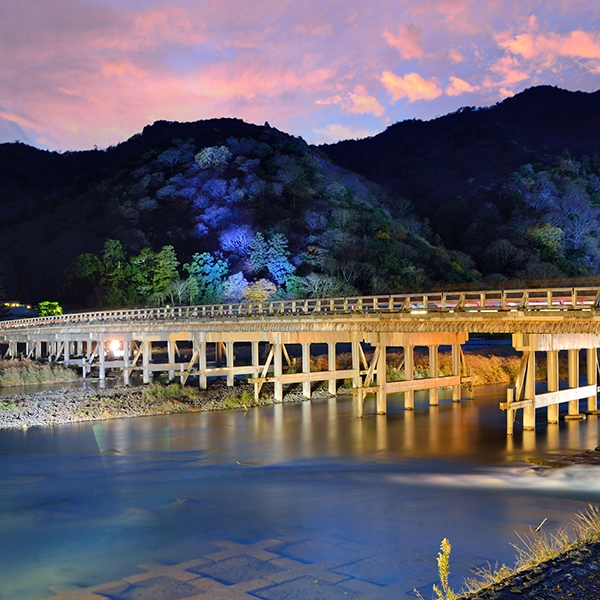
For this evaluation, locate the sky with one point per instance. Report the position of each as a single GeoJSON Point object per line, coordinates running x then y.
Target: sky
{"type": "Point", "coordinates": [75, 74]}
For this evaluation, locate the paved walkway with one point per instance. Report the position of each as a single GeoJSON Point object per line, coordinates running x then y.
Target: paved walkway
{"type": "Point", "coordinates": [294, 568]}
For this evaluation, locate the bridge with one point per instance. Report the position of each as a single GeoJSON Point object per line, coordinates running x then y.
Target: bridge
{"type": "Point", "coordinates": [270, 342]}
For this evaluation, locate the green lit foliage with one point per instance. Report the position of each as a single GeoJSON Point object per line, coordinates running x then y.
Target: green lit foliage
{"type": "Point", "coordinates": [206, 276]}
{"type": "Point", "coordinates": [165, 273]}
{"type": "Point", "coordinates": [47, 308]}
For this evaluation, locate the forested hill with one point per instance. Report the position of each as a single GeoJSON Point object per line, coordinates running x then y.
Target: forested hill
{"type": "Point", "coordinates": [204, 212]}
{"type": "Point", "coordinates": [514, 186]}
{"type": "Point", "coordinates": [222, 210]}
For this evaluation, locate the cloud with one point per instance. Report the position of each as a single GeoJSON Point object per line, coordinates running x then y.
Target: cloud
{"type": "Point", "coordinates": [459, 86]}
{"type": "Point", "coordinates": [358, 102]}
{"type": "Point", "coordinates": [576, 44]}
{"type": "Point", "coordinates": [411, 86]}
{"type": "Point", "coordinates": [408, 42]}
{"type": "Point", "coordinates": [336, 132]}
{"type": "Point", "coordinates": [120, 68]}
{"type": "Point", "coordinates": [455, 55]}
{"type": "Point", "coordinates": [363, 104]}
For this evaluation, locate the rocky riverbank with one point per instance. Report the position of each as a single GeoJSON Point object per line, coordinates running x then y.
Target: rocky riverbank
{"type": "Point", "coordinates": [574, 575]}
{"type": "Point", "coordinates": [54, 407]}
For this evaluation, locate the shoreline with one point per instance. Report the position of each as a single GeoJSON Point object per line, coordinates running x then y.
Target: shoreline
{"type": "Point", "coordinates": [22, 410]}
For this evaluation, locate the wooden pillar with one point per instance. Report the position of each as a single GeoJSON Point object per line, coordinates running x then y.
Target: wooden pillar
{"type": "Point", "coordinates": [529, 411]}
{"type": "Point", "coordinates": [201, 347]}
{"type": "Point", "coordinates": [218, 353]}
{"type": "Point", "coordinates": [552, 360]}
{"type": "Point", "coordinates": [434, 373]}
{"type": "Point", "coordinates": [230, 358]}
{"type": "Point", "coordinates": [306, 369]}
{"type": "Point", "coordinates": [38, 350]}
{"type": "Point", "coordinates": [356, 363]}
{"type": "Point", "coordinates": [573, 361]}
{"type": "Point", "coordinates": [382, 376]}
{"type": "Point", "coordinates": [101, 355]}
{"type": "Point", "coordinates": [332, 383]}
{"type": "Point", "coordinates": [278, 369]}
{"type": "Point", "coordinates": [146, 352]}
{"type": "Point", "coordinates": [456, 372]}
{"type": "Point", "coordinates": [409, 374]}
{"type": "Point", "coordinates": [592, 377]}
{"type": "Point", "coordinates": [126, 352]}
{"type": "Point", "coordinates": [171, 357]}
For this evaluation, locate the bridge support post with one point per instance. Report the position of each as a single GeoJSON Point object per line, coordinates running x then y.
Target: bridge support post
{"type": "Point", "coordinates": [200, 344]}
{"type": "Point", "coordinates": [434, 373]}
{"type": "Point", "coordinates": [592, 377]}
{"type": "Point", "coordinates": [306, 369]}
{"type": "Point", "coordinates": [146, 352]}
{"type": "Point", "coordinates": [230, 358]}
{"type": "Point", "coordinates": [171, 357]}
{"type": "Point", "coordinates": [573, 363]}
{"type": "Point", "coordinates": [126, 356]}
{"type": "Point", "coordinates": [356, 363]}
{"type": "Point", "coordinates": [409, 373]}
{"type": "Point", "coordinates": [529, 411]}
{"type": "Point", "coordinates": [552, 361]}
{"type": "Point", "coordinates": [331, 367]}
{"type": "Point", "coordinates": [278, 369]}
{"type": "Point", "coordinates": [101, 356]}
{"type": "Point", "coordinates": [456, 372]}
{"type": "Point", "coordinates": [382, 376]}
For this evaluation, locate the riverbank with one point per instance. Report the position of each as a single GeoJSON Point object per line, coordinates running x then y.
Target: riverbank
{"type": "Point", "coordinates": [55, 407]}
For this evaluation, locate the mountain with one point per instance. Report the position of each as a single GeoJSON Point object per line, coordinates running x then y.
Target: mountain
{"type": "Point", "coordinates": [455, 170]}
{"type": "Point", "coordinates": [207, 211]}
{"type": "Point", "coordinates": [502, 196]}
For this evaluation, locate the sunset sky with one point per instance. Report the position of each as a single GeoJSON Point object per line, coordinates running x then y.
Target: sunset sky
{"type": "Point", "coordinates": [79, 73]}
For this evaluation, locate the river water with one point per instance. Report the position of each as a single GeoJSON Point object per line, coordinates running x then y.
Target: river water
{"type": "Point", "coordinates": [84, 504]}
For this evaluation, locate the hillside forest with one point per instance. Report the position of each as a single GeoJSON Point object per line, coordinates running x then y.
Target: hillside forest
{"type": "Point", "coordinates": [223, 211]}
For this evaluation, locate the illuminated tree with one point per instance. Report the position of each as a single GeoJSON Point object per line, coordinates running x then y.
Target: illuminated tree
{"type": "Point", "coordinates": [206, 278]}
{"type": "Point", "coordinates": [49, 309]}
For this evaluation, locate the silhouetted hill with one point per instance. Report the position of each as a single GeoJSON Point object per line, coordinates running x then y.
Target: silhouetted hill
{"type": "Point", "coordinates": [431, 162]}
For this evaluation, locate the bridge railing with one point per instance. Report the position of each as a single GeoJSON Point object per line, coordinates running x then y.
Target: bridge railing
{"type": "Point", "coordinates": [499, 300]}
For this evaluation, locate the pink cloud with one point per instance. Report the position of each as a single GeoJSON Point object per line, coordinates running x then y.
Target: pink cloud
{"type": "Point", "coordinates": [407, 42]}
{"type": "Point", "coordinates": [363, 104]}
{"type": "Point", "coordinates": [576, 44]}
{"type": "Point", "coordinates": [411, 86]}
{"type": "Point", "coordinates": [456, 56]}
{"type": "Point", "coordinates": [459, 86]}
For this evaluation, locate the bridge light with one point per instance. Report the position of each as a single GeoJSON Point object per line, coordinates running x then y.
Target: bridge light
{"type": "Point", "coordinates": [116, 348]}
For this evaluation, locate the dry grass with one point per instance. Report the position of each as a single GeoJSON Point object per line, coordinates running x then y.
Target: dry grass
{"type": "Point", "coordinates": [487, 368]}
{"type": "Point", "coordinates": [538, 547]}
{"type": "Point", "coordinates": [14, 373]}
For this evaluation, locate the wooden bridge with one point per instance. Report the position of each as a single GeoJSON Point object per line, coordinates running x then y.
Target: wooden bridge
{"type": "Point", "coordinates": [271, 342]}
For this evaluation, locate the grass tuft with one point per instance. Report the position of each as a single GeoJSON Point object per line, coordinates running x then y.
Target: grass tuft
{"type": "Point", "coordinates": [538, 547]}
{"type": "Point", "coordinates": [15, 373]}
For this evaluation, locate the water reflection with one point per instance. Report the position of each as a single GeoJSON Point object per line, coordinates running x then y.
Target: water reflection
{"type": "Point", "coordinates": [85, 503]}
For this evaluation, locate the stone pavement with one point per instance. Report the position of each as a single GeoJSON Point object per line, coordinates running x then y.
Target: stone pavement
{"type": "Point", "coordinates": [291, 568]}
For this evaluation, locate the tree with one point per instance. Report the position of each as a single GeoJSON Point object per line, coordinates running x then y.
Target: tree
{"type": "Point", "coordinates": [206, 278]}
{"type": "Point", "coordinates": [49, 309]}
{"type": "Point", "coordinates": [166, 272]}
{"type": "Point", "coordinates": [260, 290]}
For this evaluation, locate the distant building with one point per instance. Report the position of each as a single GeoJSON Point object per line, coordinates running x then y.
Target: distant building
{"type": "Point", "coordinates": [13, 309]}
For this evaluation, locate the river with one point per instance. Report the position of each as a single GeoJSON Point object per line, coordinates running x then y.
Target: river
{"type": "Point", "coordinates": [369, 500]}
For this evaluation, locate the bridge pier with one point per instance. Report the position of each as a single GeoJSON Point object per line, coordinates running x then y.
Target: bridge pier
{"type": "Point", "coordinates": [524, 395]}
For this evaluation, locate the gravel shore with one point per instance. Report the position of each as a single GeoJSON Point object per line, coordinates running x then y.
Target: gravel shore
{"type": "Point", "coordinates": [39, 409]}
